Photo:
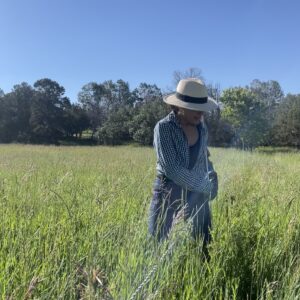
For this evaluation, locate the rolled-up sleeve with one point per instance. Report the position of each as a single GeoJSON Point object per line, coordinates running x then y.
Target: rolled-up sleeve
{"type": "Point", "coordinates": [168, 159]}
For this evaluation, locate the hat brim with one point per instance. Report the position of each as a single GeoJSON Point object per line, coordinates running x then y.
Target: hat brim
{"type": "Point", "coordinates": [210, 105]}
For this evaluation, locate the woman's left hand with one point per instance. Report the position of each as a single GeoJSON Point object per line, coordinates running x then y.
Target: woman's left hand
{"type": "Point", "coordinates": [213, 177]}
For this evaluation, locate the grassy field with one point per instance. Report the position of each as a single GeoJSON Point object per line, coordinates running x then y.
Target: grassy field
{"type": "Point", "coordinates": [74, 226]}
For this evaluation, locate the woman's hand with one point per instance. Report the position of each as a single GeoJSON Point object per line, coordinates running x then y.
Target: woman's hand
{"type": "Point", "coordinates": [213, 177]}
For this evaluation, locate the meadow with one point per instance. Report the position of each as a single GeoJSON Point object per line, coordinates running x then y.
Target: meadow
{"type": "Point", "coordinates": [74, 226]}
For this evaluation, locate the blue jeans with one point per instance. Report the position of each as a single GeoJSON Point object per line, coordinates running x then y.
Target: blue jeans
{"type": "Point", "coordinates": [165, 205]}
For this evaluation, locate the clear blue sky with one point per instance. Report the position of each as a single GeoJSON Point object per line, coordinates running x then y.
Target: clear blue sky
{"type": "Point", "coordinates": [75, 42]}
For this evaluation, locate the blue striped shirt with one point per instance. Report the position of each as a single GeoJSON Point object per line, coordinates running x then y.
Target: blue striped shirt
{"type": "Point", "coordinates": [172, 152]}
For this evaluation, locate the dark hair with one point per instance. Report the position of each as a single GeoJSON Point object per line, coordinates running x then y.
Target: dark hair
{"type": "Point", "coordinates": [174, 108]}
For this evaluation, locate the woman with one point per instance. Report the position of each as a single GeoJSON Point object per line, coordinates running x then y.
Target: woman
{"type": "Point", "coordinates": [185, 179]}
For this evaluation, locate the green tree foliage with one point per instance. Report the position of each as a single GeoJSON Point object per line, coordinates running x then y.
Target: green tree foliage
{"type": "Point", "coordinates": [42, 114]}
{"type": "Point", "coordinates": [15, 110]}
{"type": "Point", "coordinates": [221, 132]}
{"type": "Point", "coordinates": [122, 94]}
{"type": "Point", "coordinates": [7, 115]}
{"type": "Point", "coordinates": [75, 121]}
{"type": "Point", "coordinates": [286, 127]}
{"type": "Point", "coordinates": [144, 120]}
{"type": "Point", "coordinates": [99, 100]}
{"type": "Point", "coordinates": [115, 130]}
{"type": "Point", "coordinates": [114, 94]}
{"type": "Point", "coordinates": [130, 114]}
{"type": "Point", "coordinates": [47, 112]}
{"type": "Point", "coordinates": [146, 93]}
{"type": "Point", "coordinates": [254, 115]}
{"type": "Point", "coordinates": [246, 113]}
{"type": "Point", "coordinates": [91, 99]}
{"type": "Point", "coordinates": [270, 94]}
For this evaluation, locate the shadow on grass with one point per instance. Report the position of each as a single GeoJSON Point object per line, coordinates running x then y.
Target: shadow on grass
{"type": "Point", "coordinates": [77, 142]}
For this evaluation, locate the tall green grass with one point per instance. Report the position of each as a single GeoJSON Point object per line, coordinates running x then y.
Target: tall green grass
{"type": "Point", "coordinates": [74, 226]}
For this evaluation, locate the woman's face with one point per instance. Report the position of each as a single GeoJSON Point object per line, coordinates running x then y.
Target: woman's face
{"type": "Point", "coordinates": [190, 117]}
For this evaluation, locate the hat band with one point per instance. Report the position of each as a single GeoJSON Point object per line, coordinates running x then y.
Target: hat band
{"type": "Point", "coordinates": [190, 99]}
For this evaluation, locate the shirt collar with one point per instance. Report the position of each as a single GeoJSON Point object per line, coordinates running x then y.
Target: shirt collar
{"type": "Point", "coordinates": [172, 117]}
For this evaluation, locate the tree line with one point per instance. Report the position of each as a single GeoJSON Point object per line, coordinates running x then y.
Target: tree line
{"type": "Point", "coordinates": [255, 115]}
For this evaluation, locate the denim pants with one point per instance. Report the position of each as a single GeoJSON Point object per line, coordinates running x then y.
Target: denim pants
{"type": "Point", "coordinates": [167, 202]}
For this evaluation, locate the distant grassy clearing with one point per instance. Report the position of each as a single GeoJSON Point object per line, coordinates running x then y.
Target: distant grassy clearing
{"type": "Point", "coordinates": [74, 224]}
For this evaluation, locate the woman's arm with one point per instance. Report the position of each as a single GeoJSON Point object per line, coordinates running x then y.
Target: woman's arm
{"type": "Point", "coordinates": [213, 176]}
{"type": "Point", "coordinates": [168, 159]}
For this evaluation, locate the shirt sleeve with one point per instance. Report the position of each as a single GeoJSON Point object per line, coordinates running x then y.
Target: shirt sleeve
{"type": "Point", "coordinates": [167, 157]}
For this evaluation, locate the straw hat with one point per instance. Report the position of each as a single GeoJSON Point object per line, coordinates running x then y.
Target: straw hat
{"type": "Point", "coordinates": [191, 94]}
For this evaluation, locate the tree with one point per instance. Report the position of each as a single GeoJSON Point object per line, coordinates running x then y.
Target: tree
{"type": "Point", "coordinates": [122, 94]}
{"type": "Point", "coordinates": [269, 92]}
{"type": "Point", "coordinates": [47, 113]}
{"type": "Point", "coordinates": [286, 126]}
{"type": "Point", "coordinates": [50, 89]}
{"type": "Point", "coordinates": [214, 91]}
{"type": "Point", "coordinates": [75, 121]}
{"type": "Point", "coordinates": [245, 113]}
{"type": "Point", "coordinates": [23, 94]}
{"type": "Point", "coordinates": [109, 97]}
{"type": "Point", "coordinates": [189, 73]}
{"type": "Point", "coordinates": [125, 122]}
{"type": "Point", "coordinates": [115, 130]}
{"type": "Point", "coordinates": [146, 93]}
{"type": "Point", "coordinates": [144, 120]}
{"type": "Point", "coordinates": [91, 100]}
{"type": "Point", "coordinates": [220, 131]}
{"type": "Point", "coordinates": [15, 113]}
{"type": "Point", "coordinates": [99, 100]}
{"type": "Point", "coordinates": [8, 130]}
